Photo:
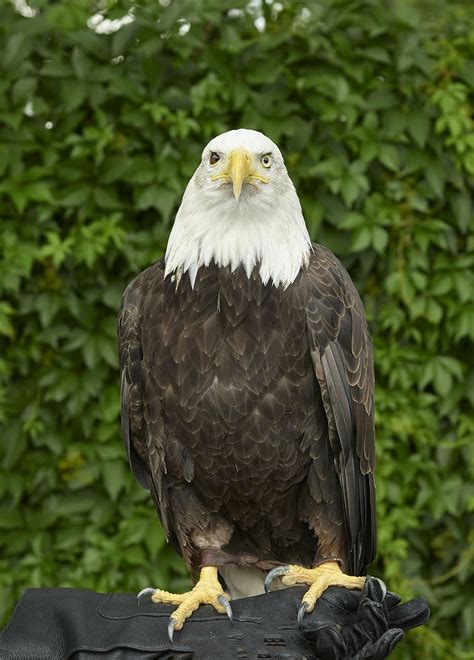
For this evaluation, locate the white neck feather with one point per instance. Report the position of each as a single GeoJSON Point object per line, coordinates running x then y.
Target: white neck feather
{"type": "Point", "coordinates": [258, 229]}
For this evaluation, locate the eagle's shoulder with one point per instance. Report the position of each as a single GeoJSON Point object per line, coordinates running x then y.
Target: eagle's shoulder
{"type": "Point", "coordinates": [151, 277]}
{"type": "Point", "coordinates": [332, 294]}
{"type": "Point", "coordinates": [148, 281]}
{"type": "Point", "coordinates": [326, 268]}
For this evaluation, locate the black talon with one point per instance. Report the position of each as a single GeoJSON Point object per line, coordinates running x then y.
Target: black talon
{"type": "Point", "coordinates": [144, 592]}
{"type": "Point", "coordinates": [225, 603]}
{"type": "Point", "coordinates": [171, 627]}
{"type": "Point", "coordinates": [275, 573]}
{"type": "Point", "coordinates": [301, 613]}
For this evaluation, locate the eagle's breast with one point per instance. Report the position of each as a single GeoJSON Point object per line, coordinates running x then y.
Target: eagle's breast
{"type": "Point", "coordinates": [233, 372]}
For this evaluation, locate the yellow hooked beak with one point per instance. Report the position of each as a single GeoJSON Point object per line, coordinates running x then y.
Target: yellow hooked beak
{"type": "Point", "coordinates": [239, 170]}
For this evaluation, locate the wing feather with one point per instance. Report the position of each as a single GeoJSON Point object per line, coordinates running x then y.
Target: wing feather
{"type": "Point", "coordinates": [342, 357]}
{"type": "Point", "coordinates": [142, 425]}
{"type": "Point", "coordinates": [131, 398]}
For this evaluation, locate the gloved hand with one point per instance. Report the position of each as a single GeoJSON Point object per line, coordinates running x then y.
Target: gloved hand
{"type": "Point", "coordinates": [344, 625]}
{"type": "Point", "coordinates": [361, 625]}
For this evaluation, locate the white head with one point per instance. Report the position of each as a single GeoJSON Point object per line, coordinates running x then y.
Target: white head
{"type": "Point", "coordinates": [240, 207]}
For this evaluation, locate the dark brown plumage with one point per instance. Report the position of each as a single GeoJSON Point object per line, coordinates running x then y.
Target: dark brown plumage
{"type": "Point", "coordinates": [247, 410]}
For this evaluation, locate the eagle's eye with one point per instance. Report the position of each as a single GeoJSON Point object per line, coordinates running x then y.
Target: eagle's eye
{"type": "Point", "coordinates": [267, 160]}
{"type": "Point", "coordinates": [214, 158]}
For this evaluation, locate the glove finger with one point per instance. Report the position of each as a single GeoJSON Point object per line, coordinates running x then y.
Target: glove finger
{"type": "Point", "coordinates": [355, 637]}
{"type": "Point", "coordinates": [330, 645]}
{"type": "Point", "coordinates": [392, 599]}
{"type": "Point", "coordinates": [409, 615]}
{"type": "Point", "coordinates": [375, 593]}
{"type": "Point", "coordinates": [372, 618]}
{"type": "Point", "coordinates": [381, 648]}
{"type": "Point", "coordinates": [370, 624]}
{"type": "Point", "coordinates": [385, 645]}
{"type": "Point", "coordinates": [378, 615]}
{"type": "Point", "coordinates": [375, 588]}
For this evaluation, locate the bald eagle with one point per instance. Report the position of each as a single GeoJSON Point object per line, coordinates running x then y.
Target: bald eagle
{"type": "Point", "coordinates": [247, 389]}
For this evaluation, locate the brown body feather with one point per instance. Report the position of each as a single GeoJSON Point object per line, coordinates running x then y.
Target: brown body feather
{"type": "Point", "coordinates": [247, 410]}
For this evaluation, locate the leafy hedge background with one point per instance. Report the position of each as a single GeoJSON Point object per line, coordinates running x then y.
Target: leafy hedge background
{"type": "Point", "coordinates": [100, 128]}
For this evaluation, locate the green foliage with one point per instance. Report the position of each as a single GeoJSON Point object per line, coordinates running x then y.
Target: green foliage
{"type": "Point", "coordinates": [371, 103]}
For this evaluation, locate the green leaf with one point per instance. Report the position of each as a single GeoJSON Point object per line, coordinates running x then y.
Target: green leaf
{"type": "Point", "coordinates": [108, 351]}
{"type": "Point", "coordinates": [436, 177]}
{"type": "Point", "coordinates": [6, 326]}
{"type": "Point", "coordinates": [10, 518]}
{"type": "Point", "coordinates": [389, 155]}
{"type": "Point", "coordinates": [114, 477]}
{"type": "Point", "coordinates": [16, 49]}
{"type": "Point", "coordinates": [349, 190]}
{"type": "Point", "coordinates": [379, 239]}
{"type": "Point", "coordinates": [17, 443]}
{"type": "Point", "coordinates": [106, 199]}
{"type": "Point", "coordinates": [434, 311]}
{"type": "Point", "coordinates": [461, 203]}
{"type": "Point", "coordinates": [395, 122]}
{"type": "Point", "coordinates": [159, 198]}
{"type": "Point", "coordinates": [442, 379]}
{"type": "Point", "coordinates": [89, 351]}
{"type": "Point", "coordinates": [382, 99]}
{"type": "Point", "coordinates": [362, 239]}
{"type": "Point", "coordinates": [81, 64]}
{"type": "Point", "coordinates": [419, 126]}
{"type": "Point", "coordinates": [352, 220]}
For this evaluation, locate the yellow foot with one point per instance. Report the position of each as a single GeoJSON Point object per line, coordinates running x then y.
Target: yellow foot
{"type": "Point", "coordinates": [320, 578]}
{"type": "Point", "coordinates": [208, 591]}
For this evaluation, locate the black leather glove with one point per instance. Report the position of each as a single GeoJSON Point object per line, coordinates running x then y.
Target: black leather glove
{"type": "Point", "coordinates": [83, 625]}
{"type": "Point", "coordinates": [359, 625]}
